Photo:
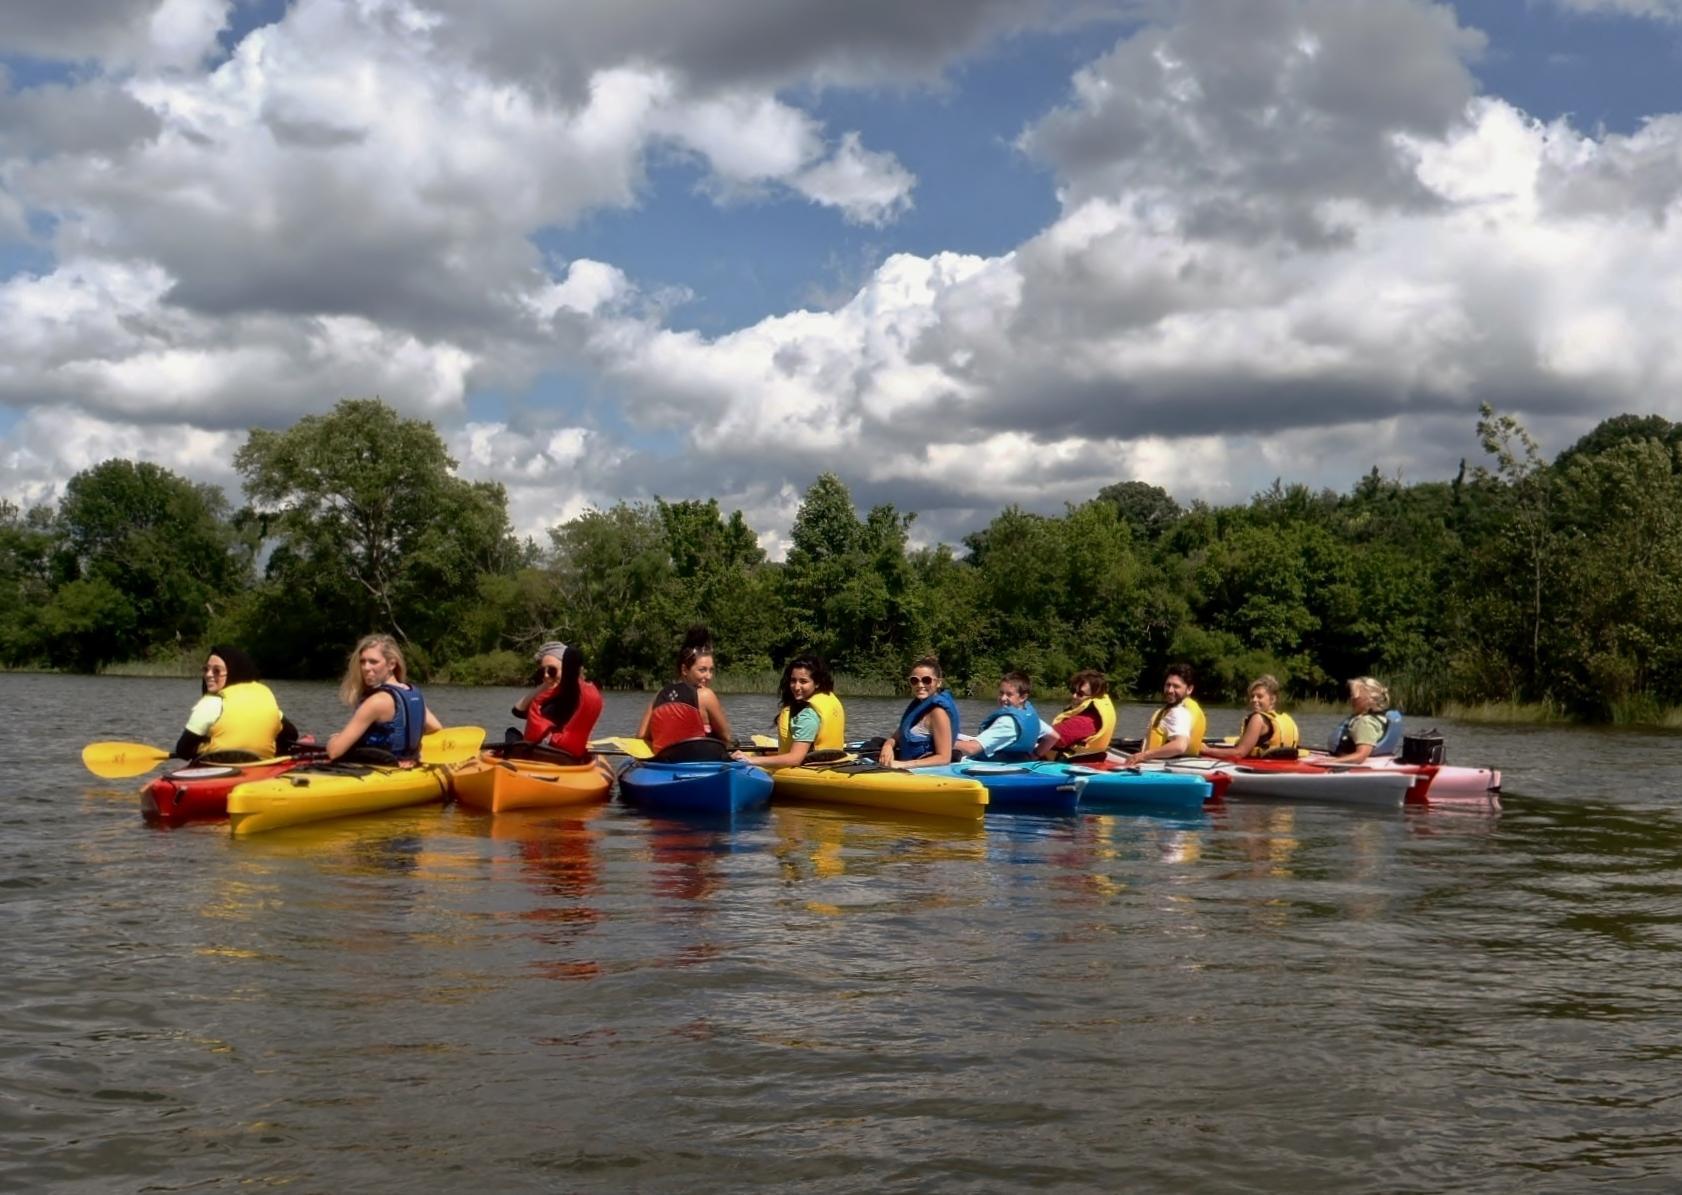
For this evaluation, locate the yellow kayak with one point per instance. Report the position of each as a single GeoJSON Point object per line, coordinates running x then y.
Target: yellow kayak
{"type": "Point", "coordinates": [316, 793]}
{"type": "Point", "coordinates": [865, 782]}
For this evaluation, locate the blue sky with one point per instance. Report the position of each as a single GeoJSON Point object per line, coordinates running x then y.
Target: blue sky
{"type": "Point", "coordinates": [967, 253]}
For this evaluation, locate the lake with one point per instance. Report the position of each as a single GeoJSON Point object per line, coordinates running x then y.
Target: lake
{"type": "Point", "coordinates": [1264, 998]}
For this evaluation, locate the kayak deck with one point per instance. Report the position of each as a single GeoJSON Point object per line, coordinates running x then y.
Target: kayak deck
{"type": "Point", "coordinates": [318, 792]}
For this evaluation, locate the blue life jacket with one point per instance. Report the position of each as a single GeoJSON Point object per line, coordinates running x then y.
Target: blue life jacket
{"type": "Point", "coordinates": [916, 744]}
{"type": "Point", "coordinates": [1027, 731]}
{"type": "Point", "coordinates": [1388, 744]}
{"type": "Point", "coordinates": [402, 735]}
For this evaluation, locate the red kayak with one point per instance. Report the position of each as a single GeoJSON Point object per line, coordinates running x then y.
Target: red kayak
{"type": "Point", "coordinates": [200, 790]}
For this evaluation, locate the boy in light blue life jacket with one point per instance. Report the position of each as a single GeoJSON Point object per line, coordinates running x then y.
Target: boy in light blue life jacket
{"type": "Point", "coordinates": [1011, 732]}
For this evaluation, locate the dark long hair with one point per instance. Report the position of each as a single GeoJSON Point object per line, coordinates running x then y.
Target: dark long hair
{"type": "Point", "coordinates": [241, 667]}
{"type": "Point", "coordinates": [560, 708]}
{"type": "Point", "coordinates": [821, 678]}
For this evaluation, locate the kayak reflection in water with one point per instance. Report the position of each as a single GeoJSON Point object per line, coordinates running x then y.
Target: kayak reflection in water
{"type": "Point", "coordinates": [236, 718]}
{"type": "Point", "coordinates": [685, 721]}
{"type": "Point", "coordinates": [391, 715]}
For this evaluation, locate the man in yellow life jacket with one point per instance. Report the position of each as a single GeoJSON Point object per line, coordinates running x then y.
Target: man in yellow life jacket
{"type": "Point", "coordinates": [1177, 728]}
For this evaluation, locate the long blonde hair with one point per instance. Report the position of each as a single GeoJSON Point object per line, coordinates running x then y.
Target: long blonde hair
{"type": "Point", "coordinates": [351, 691]}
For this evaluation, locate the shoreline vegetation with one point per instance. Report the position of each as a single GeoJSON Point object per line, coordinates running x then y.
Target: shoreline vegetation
{"type": "Point", "coordinates": [1521, 591]}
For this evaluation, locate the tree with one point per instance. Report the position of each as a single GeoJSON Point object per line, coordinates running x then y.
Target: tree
{"type": "Point", "coordinates": [1148, 510]}
{"type": "Point", "coordinates": [27, 545]}
{"type": "Point", "coordinates": [155, 541]}
{"type": "Point", "coordinates": [370, 526]}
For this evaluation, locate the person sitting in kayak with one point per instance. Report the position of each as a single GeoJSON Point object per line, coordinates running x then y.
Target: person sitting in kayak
{"type": "Point", "coordinates": [811, 717]}
{"type": "Point", "coordinates": [236, 718]}
{"type": "Point", "coordinates": [1267, 731]}
{"type": "Point", "coordinates": [1177, 727]}
{"type": "Point", "coordinates": [563, 710]}
{"type": "Point", "coordinates": [1087, 724]}
{"type": "Point", "coordinates": [685, 721]}
{"type": "Point", "coordinates": [1014, 730]}
{"type": "Point", "coordinates": [391, 715]}
{"type": "Point", "coordinates": [928, 727]}
{"type": "Point", "coordinates": [1372, 728]}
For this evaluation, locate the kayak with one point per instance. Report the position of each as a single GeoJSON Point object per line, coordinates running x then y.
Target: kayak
{"type": "Point", "coordinates": [1145, 788]}
{"type": "Point", "coordinates": [1449, 782]}
{"type": "Point", "coordinates": [316, 792]}
{"type": "Point", "coordinates": [494, 782]}
{"type": "Point", "coordinates": [1290, 780]}
{"type": "Point", "coordinates": [717, 787]}
{"type": "Point", "coordinates": [201, 790]}
{"type": "Point", "coordinates": [866, 782]}
{"type": "Point", "coordinates": [1031, 786]}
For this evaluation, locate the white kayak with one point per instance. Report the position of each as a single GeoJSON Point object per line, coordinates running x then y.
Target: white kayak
{"type": "Point", "coordinates": [1343, 786]}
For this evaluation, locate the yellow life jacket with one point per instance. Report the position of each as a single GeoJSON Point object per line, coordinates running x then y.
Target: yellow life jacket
{"type": "Point", "coordinates": [249, 722]}
{"type": "Point", "coordinates": [1155, 736]}
{"type": "Point", "coordinates": [832, 725]}
{"type": "Point", "coordinates": [1284, 738]}
{"type": "Point", "coordinates": [1099, 742]}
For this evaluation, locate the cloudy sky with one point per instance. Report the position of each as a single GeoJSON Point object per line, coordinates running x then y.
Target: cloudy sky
{"type": "Point", "coordinates": [962, 252]}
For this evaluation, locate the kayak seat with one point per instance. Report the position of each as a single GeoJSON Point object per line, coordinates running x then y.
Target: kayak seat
{"type": "Point", "coordinates": [701, 750]}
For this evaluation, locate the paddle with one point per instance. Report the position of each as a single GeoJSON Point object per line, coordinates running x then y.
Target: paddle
{"type": "Point", "coordinates": [452, 744]}
{"type": "Point", "coordinates": [634, 747]}
{"type": "Point", "coordinates": [116, 760]}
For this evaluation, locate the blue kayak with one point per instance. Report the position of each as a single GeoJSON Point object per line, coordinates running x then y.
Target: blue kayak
{"type": "Point", "coordinates": [1033, 786]}
{"type": "Point", "coordinates": [1148, 790]}
{"type": "Point", "coordinates": [711, 787]}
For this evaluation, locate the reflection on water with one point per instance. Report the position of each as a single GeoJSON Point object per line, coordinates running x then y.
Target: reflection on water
{"type": "Point", "coordinates": [1261, 997]}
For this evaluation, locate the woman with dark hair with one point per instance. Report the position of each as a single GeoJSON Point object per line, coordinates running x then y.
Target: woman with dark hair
{"type": "Point", "coordinates": [236, 718]}
{"type": "Point", "coordinates": [811, 717]}
{"type": "Point", "coordinates": [562, 712]}
{"type": "Point", "coordinates": [928, 728]}
{"type": "Point", "coordinates": [685, 720]}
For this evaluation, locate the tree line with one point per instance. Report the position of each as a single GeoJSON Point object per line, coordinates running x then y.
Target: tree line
{"type": "Point", "coordinates": [1520, 580]}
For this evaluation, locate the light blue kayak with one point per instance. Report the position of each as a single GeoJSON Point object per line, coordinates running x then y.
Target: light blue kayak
{"type": "Point", "coordinates": [1149, 791]}
{"type": "Point", "coordinates": [715, 787]}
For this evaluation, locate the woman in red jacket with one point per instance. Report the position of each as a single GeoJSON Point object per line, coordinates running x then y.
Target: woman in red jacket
{"type": "Point", "coordinates": [562, 712]}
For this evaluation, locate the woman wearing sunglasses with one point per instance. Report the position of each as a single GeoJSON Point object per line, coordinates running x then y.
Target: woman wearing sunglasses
{"type": "Point", "coordinates": [562, 712]}
{"type": "Point", "coordinates": [236, 717]}
{"type": "Point", "coordinates": [929, 726]}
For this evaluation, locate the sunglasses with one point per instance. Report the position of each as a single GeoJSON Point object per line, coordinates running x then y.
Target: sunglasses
{"type": "Point", "coordinates": [551, 673]}
{"type": "Point", "coordinates": [216, 672]}
{"type": "Point", "coordinates": [921, 680]}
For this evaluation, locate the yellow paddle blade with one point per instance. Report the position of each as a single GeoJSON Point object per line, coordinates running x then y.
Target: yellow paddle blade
{"type": "Point", "coordinates": [453, 744]}
{"type": "Point", "coordinates": [764, 740]}
{"type": "Point", "coordinates": [634, 747]}
{"type": "Point", "coordinates": [112, 761]}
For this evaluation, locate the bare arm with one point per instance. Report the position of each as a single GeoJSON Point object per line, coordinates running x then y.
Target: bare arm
{"type": "Point", "coordinates": [792, 758]}
{"type": "Point", "coordinates": [713, 709]}
{"type": "Point", "coordinates": [1358, 755]}
{"type": "Point", "coordinates": [381, 707]}
{"type": "Point", "coordinates": [940, 739]}
{"type": "Point", "coordinates": [1253, 727]}
{"type": "Point", "coordinates": [642, 727]}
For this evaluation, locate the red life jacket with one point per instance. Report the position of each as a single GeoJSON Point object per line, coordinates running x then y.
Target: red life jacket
{"type": "Point", "coordinates": [675, 717]}
{"type": "Point", "coordinates": [574, 737]}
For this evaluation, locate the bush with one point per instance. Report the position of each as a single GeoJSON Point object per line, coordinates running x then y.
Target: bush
{"type": "Point", "coordinates": [489, 668]}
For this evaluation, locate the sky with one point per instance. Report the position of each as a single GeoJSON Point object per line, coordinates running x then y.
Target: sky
{"type": "Point", "coordinates": [962, 253]}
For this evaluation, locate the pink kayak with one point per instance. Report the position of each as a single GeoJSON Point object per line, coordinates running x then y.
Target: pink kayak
{"type": "Point", "coordinates": [1448, 782]}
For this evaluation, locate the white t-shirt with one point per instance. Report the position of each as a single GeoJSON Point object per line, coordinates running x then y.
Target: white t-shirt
{"type": "Point", "coordinates": [1175, 724]}
{"type": "Point", "coordinates": [204, 715]}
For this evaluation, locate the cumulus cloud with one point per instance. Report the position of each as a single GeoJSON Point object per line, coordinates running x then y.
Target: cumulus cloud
{"type": "Point", "coordinates": [155, 33]}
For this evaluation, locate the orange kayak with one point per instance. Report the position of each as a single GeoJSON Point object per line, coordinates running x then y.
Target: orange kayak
{"type": "Point", "coordinates": [498, 784]}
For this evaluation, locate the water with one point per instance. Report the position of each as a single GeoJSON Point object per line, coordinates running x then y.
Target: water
{"type": "Point", "coordinates": [1263, 998]}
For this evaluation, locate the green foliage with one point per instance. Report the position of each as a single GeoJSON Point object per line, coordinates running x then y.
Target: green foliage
{"type": "Point", "coordinates": [500, 667]}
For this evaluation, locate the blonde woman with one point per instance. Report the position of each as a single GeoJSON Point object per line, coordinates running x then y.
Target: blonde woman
{"type": "Point", "coordinates": [391, 716]}
{"type": "Point", "coordinates": [1267, 729]}
{"type": "Point", "coordinates": [1369, 730]}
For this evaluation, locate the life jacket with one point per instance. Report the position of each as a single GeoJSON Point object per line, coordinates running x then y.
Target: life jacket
{"type": "Point", "coordinates": [1281, 733]}
{"type": "Point", "coordinates": [249, 721]}
{"type": "Point", "coordinates": [1155, 736]}
{"type": "Point", "coordinates": [832, 724]}
{"type": "Point", "coordinates": [675, 716]}
{"type": "Point", "coordinates": [574, 736]}
{"type": "Point", "coordinates": [1388, 743]}
{"type": "Point", "coordinates": [1099, 741]}
{"type": "Point", "coordinates": [1027, 731]}
{"type": "Point", "coordinates": [915, 744]}
{"type": "Point", "coordinates": [402, 734]}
